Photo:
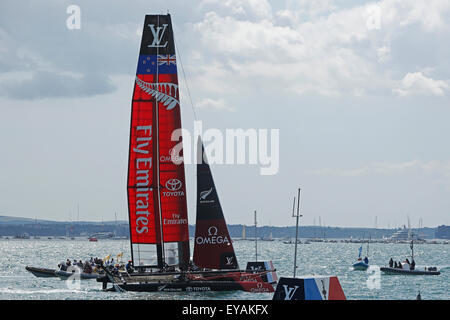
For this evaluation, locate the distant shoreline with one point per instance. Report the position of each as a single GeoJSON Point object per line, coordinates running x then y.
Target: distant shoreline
{"type": "Point", "coordinates": [12, 226]}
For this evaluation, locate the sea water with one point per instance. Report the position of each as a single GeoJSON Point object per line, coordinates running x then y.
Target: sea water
{"type": "Point", "coordinates": [316, 258]}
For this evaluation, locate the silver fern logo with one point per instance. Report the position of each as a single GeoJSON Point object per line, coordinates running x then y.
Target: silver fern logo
{"type": "Point", "coordinates": [204, 194]}
{"type": "Point", "coordinates": [163, 92]}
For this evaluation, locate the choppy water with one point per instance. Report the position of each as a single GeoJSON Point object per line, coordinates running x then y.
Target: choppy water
{"type": "Point", "coordinates": [314, 258]}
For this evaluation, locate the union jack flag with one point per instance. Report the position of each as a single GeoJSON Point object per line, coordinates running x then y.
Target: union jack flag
{"type": "Point", "coordinates": [166, 60]}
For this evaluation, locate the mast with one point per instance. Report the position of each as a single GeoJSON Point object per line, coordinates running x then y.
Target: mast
{"type": "Point", "coordinates": [320, 227]}
{"type": "Point", "coordinates": [256, 239]}
{"type": "Point", "coordinates": [297, 216]}
{"type": "Point", "coordinates": [115, 225]}
{"type": "Point", "coordinates": [156, 184]}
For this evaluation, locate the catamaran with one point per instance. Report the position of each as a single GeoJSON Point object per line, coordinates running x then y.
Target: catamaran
{"type": "Point", "coordinates": [157, 206]}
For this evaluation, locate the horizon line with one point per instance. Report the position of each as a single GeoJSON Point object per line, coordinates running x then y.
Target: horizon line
{"type": "Point", "coordinates": [250, 226]}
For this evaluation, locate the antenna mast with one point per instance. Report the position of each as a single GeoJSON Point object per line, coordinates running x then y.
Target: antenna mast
{"type": "Point", "coordinates": [256, 240]}
{"type": "Point", "coordinates": [297, 216]}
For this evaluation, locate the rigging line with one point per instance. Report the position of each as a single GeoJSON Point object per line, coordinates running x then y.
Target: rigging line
{"type": "Point", "coordinates": [188, 91]}
{"type": "Point", "coordinates": [185, 78]}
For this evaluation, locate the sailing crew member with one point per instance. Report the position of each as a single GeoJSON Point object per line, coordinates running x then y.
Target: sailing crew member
{"type": "Point", "coordinates": [62, 266]}
{"type": "Point", "coordinates": [128, 267]}
{"type": "Point", "coordinates": [407, 264]}
{"type": "Point", "coordinates": [391, 263]}
{"type": "Point", "coordinates": [87, 267]}
{"type": "Point", "coordinates": [413, 265]}
{"type": "Point", "coordinates": [366, 260]}
{"type": "Point", "coordinates": [115, 269]}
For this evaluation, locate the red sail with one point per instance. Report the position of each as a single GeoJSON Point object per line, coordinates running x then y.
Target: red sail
{"type": "Point", "coordinates": [156, 185]}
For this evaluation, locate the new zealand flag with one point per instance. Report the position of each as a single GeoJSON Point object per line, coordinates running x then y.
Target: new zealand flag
{"type": "Point", "coordinates": [166, 64]}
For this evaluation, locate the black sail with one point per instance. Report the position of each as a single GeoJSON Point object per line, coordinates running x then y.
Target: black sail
{"type": "Point", "coordinates": [213, 247]}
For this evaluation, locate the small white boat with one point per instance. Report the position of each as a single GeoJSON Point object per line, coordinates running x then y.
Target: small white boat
{"type": "Point", "coordinates": [360, 265]}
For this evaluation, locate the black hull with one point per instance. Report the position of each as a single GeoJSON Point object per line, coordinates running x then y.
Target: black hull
{"type": "Point", "coordinates": [143, 277]}
{"type": "Point", "coordinates": [230, 280]}
{"type": "Point", "coordinates": [146, 276]}
{"type": "Point", "coordinates": [41, 272]}
{"type": "Point", "coordinates": [387, 270]}
{"type": "Point", "coordinates": [64, 275]}
{"type": "Point", "coordinates": [182, 286]}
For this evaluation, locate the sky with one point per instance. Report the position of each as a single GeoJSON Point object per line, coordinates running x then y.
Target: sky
{"type": "Point", "coordinates": [358, 90]}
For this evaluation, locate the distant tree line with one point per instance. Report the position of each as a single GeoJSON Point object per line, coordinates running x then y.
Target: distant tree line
{"type": "Point", "coordinates": [122, 230]}
{"type": "Point", "coordinates": [62, 229]}
{"type": "Point", "coordinates": [443, 232]}
{"type": "Point", "coordinates": [321, 232]}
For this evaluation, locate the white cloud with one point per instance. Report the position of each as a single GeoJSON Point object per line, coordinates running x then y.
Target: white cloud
{"type": "Point", "coordinates": [303, 59]}
{"type": "Point", "coordinates": [248, 8]}
{"type": "Point", "coordinates": [314, 46]}
{"type": "Point", "coordinates": [342, 172]}
{"type": "Point", "coordinates": [218, 104]}
{"type": "Point", "coordinates": [298, 46]}
{"type": "Point", "coordinates": [383, 53]}
{"type": "Point", "coordinates": [415, 83]}
{"type": "Point", "coordinates": [431, 14]}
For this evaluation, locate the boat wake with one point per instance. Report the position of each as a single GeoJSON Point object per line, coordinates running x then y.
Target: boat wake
{"type": "Point", "coordinates": [40, 291]}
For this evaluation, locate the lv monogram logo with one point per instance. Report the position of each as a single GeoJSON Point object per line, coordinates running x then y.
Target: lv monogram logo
{"type": "Point", "coordinates": [158, 34]}
{"type": "Point", "coordinates": [289, 291]}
